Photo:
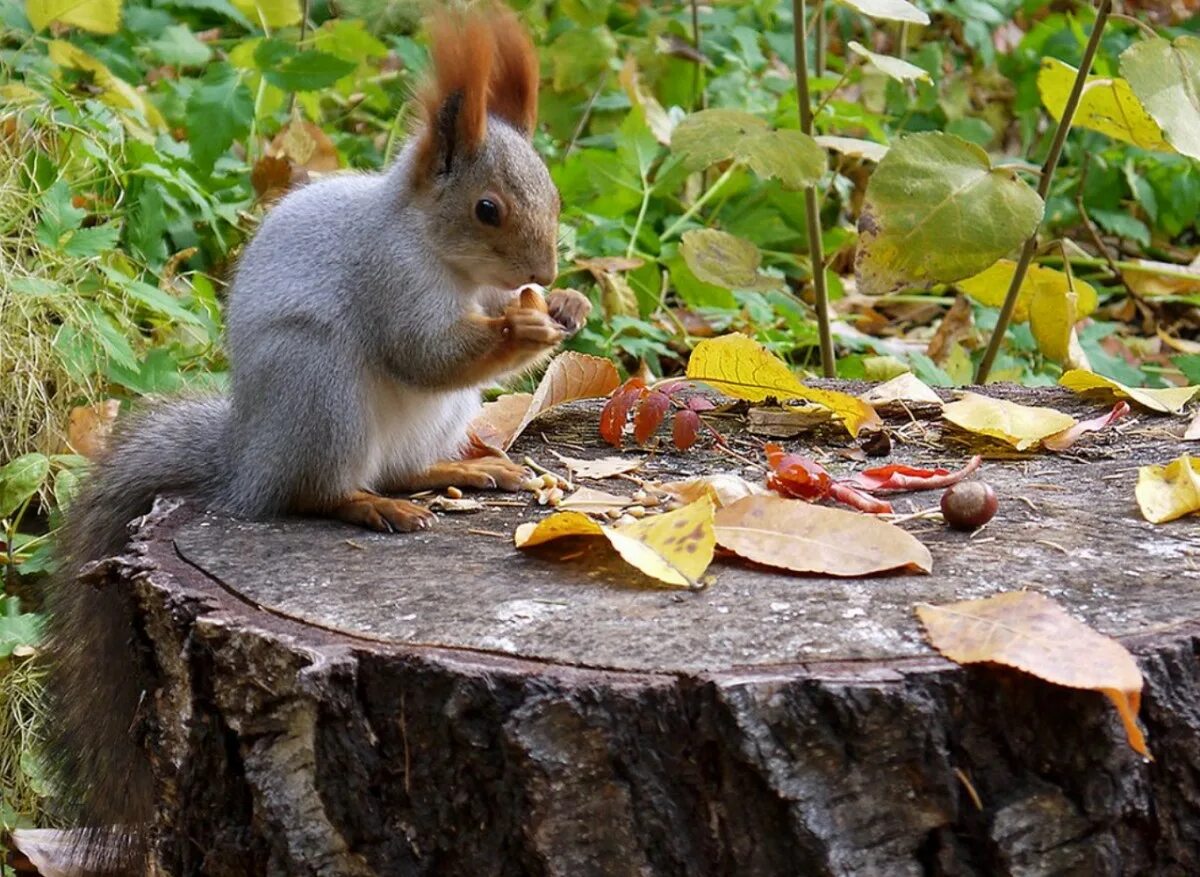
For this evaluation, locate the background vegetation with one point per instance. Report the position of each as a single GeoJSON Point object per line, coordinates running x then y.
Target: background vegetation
{"type": "Point", "coordinates": [142, 141]}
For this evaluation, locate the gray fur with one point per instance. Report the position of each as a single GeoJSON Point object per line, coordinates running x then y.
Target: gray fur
{"type": "Point", "coordinates": [345, 330]}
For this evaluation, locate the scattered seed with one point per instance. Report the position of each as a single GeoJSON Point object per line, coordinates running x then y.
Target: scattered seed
{"type": "Point", "coordinates": [612, 514]}
{"type": "Point", "coordinates": [636, 511]}
{"type": "Point", "coordinates": [549, 480]}
{"type": "Point", "coordinates": [625, 520]}
{"type": "Point", "coordinates": [554, 496]}
{"type": "Point", "coordinates": [531, 484]}
{"type": "Point", "coordinates": [453, 492]}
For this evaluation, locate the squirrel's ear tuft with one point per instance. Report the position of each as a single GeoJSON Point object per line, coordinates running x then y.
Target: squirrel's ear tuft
{"type": "Point", "coordinates": [513, 88]}
{"type": "Point", "coordinates": [454, 101]}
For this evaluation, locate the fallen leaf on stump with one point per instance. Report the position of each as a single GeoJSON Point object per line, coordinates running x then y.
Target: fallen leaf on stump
{"type": "Point", "coordinates": [898, 478]}
{"type": "Point", "coordinates": [739, 366]}
{"type": "Point", "coordinates": [1165, 493]}
{"type": "Point", "coordinates": [723, 489]}
{"type": "Point", "coordinates": [593, 502]}
{"type": "Point", "coordinates": [1022, 426]}
{"type": "Point", "coordinates": [1168, 400]}
{"type": "Point", "coordinates": [602, 467]}
{"type": "Point", "coordinates": [675, 548]}
{"type": "Point", "coordinates": [902, 388]}
{"type": "Point", "coordinates": [570, 376]}
{"type": "Point", "coordinates": [1060, 441]}
{"type": "Point", "coordinates": [801, 537]}
{"type": "Point", "coordinates": [1030, 632]}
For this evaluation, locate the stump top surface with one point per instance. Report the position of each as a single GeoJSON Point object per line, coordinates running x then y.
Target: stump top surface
{"type": "Point", "coordinates": [1068, 527]}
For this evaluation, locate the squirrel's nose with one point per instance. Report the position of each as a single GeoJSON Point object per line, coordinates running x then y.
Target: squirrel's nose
{"type": "Point", "coordinates": [544, 275]}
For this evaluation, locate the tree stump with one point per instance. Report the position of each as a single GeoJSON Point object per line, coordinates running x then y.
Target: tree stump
{"type": "Point", "coordinates": [337, 702]}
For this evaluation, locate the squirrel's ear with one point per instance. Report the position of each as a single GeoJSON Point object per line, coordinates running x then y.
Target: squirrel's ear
{"type": "Point", "coordinates": [454, 100]}
{"type": "Point", "coordinates": [513, 88]}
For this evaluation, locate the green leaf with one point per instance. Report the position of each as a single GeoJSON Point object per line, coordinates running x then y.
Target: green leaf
{"type": "Point", "coordinates": [88, 242]}
{"type": "Point", "coordinates": [898, 69]}
{"type": "Point", "coordinates": [20, 479]}
{"type": "Point", "coordinates": [720, 258]}
{"type": "Point", "coordinates": [179, 47]}
{"type": "Point", "coordinates": [219, 110]}
{"type": "Point", "coordinates": [96, 16]}
{"type": "Point", "coordinates": [888, 10]}
{"type": "Point", "coordinates": [710, 136]}
{"type": "Point", "coordinates": [58, 216]}
{"type": "Point", "coordinates": [308, 71]}
{"type": "Point", "coordinates": [579, 57]}
{"type": "Point", "coordinates": [854, 147]}
{"type": "Point", "coordinates": [272, 13]}
{"type": "Point", "coordinates": [19, 630]}
{"type": "Point", "coordinates": [936, 211]}
{"type": "Point", "coordinates": [1122, 225]}
{"type": "Point", "coordinates": [220, 7]}
{"type": "Point", "coordinates": [152, 297]}
{"type": "Point", "coordinates": [1166, 77]}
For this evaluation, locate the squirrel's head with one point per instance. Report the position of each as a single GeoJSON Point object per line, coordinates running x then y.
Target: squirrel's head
{"type": "Point", "coordinates": [492, 207]}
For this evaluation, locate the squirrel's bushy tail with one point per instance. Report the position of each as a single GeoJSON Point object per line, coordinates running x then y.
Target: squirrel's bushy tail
{"type": "Point", "coordinates": [97, 672]}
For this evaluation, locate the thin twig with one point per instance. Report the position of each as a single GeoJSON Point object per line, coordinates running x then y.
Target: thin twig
{"type": "Point", "coordinates": [816, 254]}
{"type": "Point", "coordinates": [1060, 136]}
{"type": "Point", "coordinates": [697, 93]}
{"type": "Point", "coordinates": [587, 114]}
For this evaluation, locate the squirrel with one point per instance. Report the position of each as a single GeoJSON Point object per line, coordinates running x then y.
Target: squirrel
{"type": "Point", "coordinates": [364, 318]}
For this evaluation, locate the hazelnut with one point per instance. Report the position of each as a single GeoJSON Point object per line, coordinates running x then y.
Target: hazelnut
{"type": "Point", "coordinates": [968, 505]}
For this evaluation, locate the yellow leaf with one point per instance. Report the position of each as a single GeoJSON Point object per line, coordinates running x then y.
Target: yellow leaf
{"type": "Point", "coordinates": [1031, 632]}
{"type": "Point", "coordinates": [739, 366]}
{"type": "Point", "coordinates": [1108, 105]}
{"type": "Point", "coordinates": [675, 548]}
{"type": "Point", "coordinates": [902, 388]}
{"type": "Point", "coordinates": [272, 13]}
{"type": "Point", "coordinates": [1043, 287]}
{"type": "Point", "coordinates": [1168, 400]}
{"type": "Point", "coordinates": [97, 16]}
{"type": "Point", "coordinates": [723, 489]}
{"type": "Point", "coordinates": [1165, 493]}
{"type": "Point", "coordinates": [802, 537]}
{"type": "Point", "coordinates": [1022, 426]}
{"type": "Point", "coordinates": [115, 91]}
{"type": "Point", "coordinates": [570, 376]}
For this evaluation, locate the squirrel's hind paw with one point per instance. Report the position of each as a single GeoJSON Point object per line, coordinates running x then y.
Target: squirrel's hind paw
{"type": "Point", "coordinates": [483, 473]}
{"type": "Point", "coordinates": [383, 513]}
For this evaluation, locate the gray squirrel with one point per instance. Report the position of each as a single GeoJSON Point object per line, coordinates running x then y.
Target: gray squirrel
{"type": "Point", "coordinates": [364, 318]}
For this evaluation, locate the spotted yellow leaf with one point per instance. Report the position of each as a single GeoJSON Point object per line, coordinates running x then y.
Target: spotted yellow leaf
{"type": "Point", "coordinates": [1022, 426]}
{"type": "Point", "coordinates": [114, 90]}
{"type": "Point", "coordinates": [1168, 400]}
{"type": "Point", "coordinates": [1108, 105]}
{"type": "Point", "coordinates": [675, 548]}
{"type": "Point", "coordinates": [1165, 493]}
{"type": "Point", "coordinates": [739, 366]}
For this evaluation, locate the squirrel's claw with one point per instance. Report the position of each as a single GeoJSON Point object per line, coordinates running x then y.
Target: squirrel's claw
{"type": "Point", "coordinates": [569, 308]}
{"type": "Point", "coordinates": [383, 513]}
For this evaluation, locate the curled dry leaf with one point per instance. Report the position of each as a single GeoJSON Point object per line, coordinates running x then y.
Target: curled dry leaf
{"type": "Point", "coordinates": [616, 410]}
{"type": "Point", "coordinates": [1165, 493]}
{"type": "Point", "coordinates": [797, 476]}
{"type": "Point", "coordinates": [569, 376]}
{"type": "Point", "coordinates": [90, 425]}
{"type": "Point", "coordinates": [739, 366]}
{"type": "Point", "coordinates": [1022, 426]}
{"type": "Point", "coordinates": [1060, 441]}
{"type": "Point", "coordinates": [1192, 433]}
{"type": "Point", "coordinates": [675, 548]}
{"type": "Point", "coordinates": [723, 489]}
{"type": "Point", "coordinates": [1168, 400]}
{"type": "Point", "coordinates": [602, 467]}
{"type": "Point", "coordinates": [902, 388]}
{"type": "Point", "coordinates": [898, 478]}
{"type": "Point", "coordinates": [594, 502]}
{"type": "Point", "coordinates": [1031, 632]}
{"type": "Point", "coordinates": [802, 537]}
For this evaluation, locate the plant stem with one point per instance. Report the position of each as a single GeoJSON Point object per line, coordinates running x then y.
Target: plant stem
{"type": "Point", "coordinates": [700, 202]}
{"type": "Point", "coordinates": [819, 19]}
{"type": "Point", "coordinates": [1056, 145]}
{"type": "Point", "coordinates": [697, 94]}
{"type": "Point", "coordinates": [816, 254]}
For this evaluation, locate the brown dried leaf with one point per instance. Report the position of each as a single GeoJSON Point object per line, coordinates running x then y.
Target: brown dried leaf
{"type": "Point", "coordinates": [603, 467]}
{"type": "Point", "coordinates": [803, 537]}
{"type": "Point", "coordinates": [955, 328]}
{"type": "Point", "coordinates": [570, 376]}
{"type": "Point", "coordinates": [89, 427]}
{"type": "Point", "coordinates": [1033, 633]}
{"type": "Point", "coordinates": [305, 145]}
{"type": "Point", "coordinates": [271, 176]}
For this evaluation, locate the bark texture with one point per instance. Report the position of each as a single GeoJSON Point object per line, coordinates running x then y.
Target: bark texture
{"type": "Point", "coordinates": [337, 703]}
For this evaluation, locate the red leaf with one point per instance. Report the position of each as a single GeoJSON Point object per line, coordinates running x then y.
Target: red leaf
{"type": "Point", "coordinates": [796, 476]}
{"type": "Point", "coordinates": [851, 496]}
{"type": "Point", "coordinates": [699, 403]}
{"type": "Point", "coordinates": [650, 414]}
{"type": "Point", "coordinates": [898, 478]}
{"type": "Point", "coordinates": [616, 410]}
{"type": "Point", "coordinates": [686, 429]}
{"type": "Point", "coordinates": [1060, 441]}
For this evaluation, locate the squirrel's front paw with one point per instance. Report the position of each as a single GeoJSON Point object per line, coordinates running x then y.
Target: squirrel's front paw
{"type": "Point", "coordinates": [527, 327]}
{"type": "Point", "coordinates": [569, 308]}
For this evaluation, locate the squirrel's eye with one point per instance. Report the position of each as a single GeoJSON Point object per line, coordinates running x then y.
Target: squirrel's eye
{"type": "Point", "coordinates": [487, 212]}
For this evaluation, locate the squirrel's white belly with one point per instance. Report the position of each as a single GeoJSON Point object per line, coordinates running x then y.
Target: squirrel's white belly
{"type": "Point", "coordinates": [408, 430]}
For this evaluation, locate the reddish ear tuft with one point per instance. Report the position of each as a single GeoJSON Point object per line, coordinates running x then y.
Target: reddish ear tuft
{"type": "Point", "coordinates": [513, 87]}
{"type": "Point", "coordinates": [454, 101]}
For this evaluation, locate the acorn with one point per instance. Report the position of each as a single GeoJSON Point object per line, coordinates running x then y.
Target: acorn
{"type": "Point", "coordinates": [969, 505]}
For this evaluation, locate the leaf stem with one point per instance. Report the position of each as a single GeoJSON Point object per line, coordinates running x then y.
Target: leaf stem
{"type": "Point", "coordinates": [1056, 146]}
{"type": "Point", "coordinates": [1146, 29]}
{"type": "Point", "coordinates": [816, 254]}
{"type": "Point", "coordinates": [699, 203]}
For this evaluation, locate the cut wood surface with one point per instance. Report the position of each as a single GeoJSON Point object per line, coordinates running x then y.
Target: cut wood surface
{"type": "Point", "coordinates": [335, 701]}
